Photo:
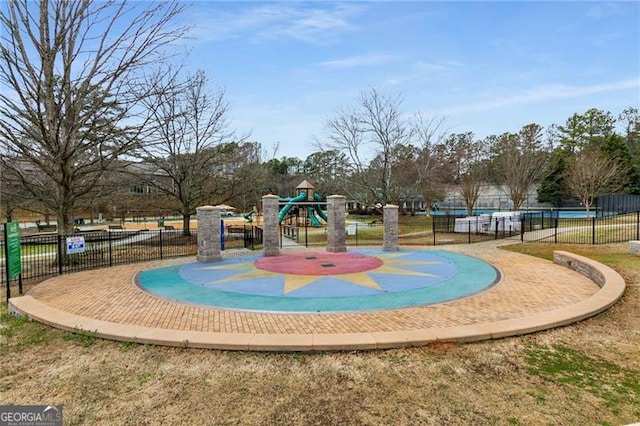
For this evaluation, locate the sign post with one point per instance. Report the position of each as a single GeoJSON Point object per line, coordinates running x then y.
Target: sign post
{"type": "Point", "coordinates": [13, 261]}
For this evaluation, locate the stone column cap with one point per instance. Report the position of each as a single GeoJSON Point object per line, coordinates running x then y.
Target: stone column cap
{"type": "Point", "coordinates": [207, 208]}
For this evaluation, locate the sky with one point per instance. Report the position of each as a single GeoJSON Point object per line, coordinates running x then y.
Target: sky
{"type": "Point", "coordinates": [485, 67]}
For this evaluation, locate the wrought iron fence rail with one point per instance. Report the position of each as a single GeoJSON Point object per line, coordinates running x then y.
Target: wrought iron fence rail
{"type": "Point", "coordinates": [592, 230]}
{"type": "Point", "coordinates": [439, 230]}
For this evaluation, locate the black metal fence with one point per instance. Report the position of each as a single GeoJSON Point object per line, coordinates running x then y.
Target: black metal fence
{"type": "Point", "coordinates": [436, 230]}
{"type": "Point", "coordinates": [539, 227]}
{"type": "Point", "coordinates": [45, 255]}
{"type": "Point", "coordinates": [615, 204]}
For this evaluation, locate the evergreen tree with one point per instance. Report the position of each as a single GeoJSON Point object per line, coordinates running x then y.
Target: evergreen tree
{"type": "Point", "coordinates": [553, 188]}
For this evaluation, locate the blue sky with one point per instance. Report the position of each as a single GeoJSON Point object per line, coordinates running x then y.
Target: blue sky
{"type": "Point", "coordinates": [486, 67]}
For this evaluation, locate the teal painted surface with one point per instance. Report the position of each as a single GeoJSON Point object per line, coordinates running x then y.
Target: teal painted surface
{"type": "Point", "coordinates": [413, 278]}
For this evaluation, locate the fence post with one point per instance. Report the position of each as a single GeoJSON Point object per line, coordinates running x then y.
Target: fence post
{"type": "Point", "coordinates": [638, 225]}
{"type": "Point", "coordinates": [433, 227]}
{"type": "Point", "coordinates": [469, 234]}
{"type": "Point", "coordinates": [6, 263]}
{"type": "Point", "coordinates": [160, 230]}
{"type": "Point", "coordinates": [110, 250]}
{"type": "Point", "coordinates": [522, 225]}
{"type": "Point", "coordinates": [59, 239]}
{"type": "Point", "coordinates": [593, 230]}
{"type": "Point", "coordinates": [555, 230]}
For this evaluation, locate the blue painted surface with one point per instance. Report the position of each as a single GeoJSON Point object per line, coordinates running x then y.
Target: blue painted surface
{"type": "Point", "coordinates": [450, 276]}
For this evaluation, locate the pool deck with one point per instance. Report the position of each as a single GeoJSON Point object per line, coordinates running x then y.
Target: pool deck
{"type": "Point", "coordinates": [532, 295]}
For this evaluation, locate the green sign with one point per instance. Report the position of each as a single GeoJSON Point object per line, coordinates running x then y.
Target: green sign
{"type": "Point", "coordinates": [12, 235]}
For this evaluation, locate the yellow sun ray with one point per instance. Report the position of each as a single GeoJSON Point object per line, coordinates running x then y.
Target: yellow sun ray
{"type": "Point", "coordinates": [250, 274]}
{"type": "Point", "coordinates": [294, 282]}
{"type": "Point", "coordinates": [384, 269]}
{"type": "Point", "coordinates": [385, 256]}
{"type": "Point", "coordinates": [359, 278]}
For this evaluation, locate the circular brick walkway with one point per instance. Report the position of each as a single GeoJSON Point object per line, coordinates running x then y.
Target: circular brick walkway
{"type": "Point", "coordinates": [532, 295]}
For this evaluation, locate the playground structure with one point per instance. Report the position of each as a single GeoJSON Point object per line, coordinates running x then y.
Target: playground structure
{"type": "Point", "coordinates": [307, 202]}
{"type": "Point", "coordinates": [249, 216]}
{"type": "Point", "coordinates": [311, 212]}
{"type": "Point", "coordinates": [302, 210]}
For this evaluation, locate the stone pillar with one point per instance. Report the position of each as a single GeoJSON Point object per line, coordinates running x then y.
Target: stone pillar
{"type": "Point", "coordinates": [390, 219]}
{"type": "Point", "coordinates": [209, 247]}
{"type": "Point", "coordinates": [336, 229]}
{"type": "Point", "coordinates": [271, 229]}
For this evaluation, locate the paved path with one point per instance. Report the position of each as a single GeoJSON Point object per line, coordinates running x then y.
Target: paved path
{"type": "Point", "coordinates": [533, 294]}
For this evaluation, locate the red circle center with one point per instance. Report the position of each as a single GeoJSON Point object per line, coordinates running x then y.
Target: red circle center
{"type": "Point", "coordinates": [318, 263]}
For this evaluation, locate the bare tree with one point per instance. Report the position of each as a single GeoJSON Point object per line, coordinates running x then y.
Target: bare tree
{"type": "Point", "coordinates": [187, 142]}
{"type": "Point", "coordinates": [68, 70]}
{"type": "Point", "coordinates": [430, 164]}
{"type": "Point", "coordinates": [629, 119]}
{"type": "Point", "coordinates": [12, 195]}
{"type": "Point", "coordinates": [467, 166]}
{"type": "Point", "coordinates": [519, 160]}
{"type": "Point", "coordinates": [372, 130]}
{"type": "Point", "coordinates": [592, 173]}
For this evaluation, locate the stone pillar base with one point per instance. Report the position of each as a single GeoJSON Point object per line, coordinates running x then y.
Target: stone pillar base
{"type": "Point", "coordinates": [336, 229]}
{"type": "Point", "coordinates": [271, 231]}
{"type": "Point", "coordinates": [390, 218]}
{"type": "Point", "coordinates": [209, 245]}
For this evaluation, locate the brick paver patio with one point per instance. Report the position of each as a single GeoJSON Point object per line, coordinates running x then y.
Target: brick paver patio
{"type": "Point", "coordinates": [108, 302]}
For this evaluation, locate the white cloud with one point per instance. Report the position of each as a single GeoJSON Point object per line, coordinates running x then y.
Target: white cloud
{"type": "Point", "coordinates": [544, 93]}
{"type": "Point", "coordinates": [422, 71]}
{"type": "Point", "coordinates": [318, 23]}
{"type": "Point", "coordinates": [361, 60]}
{"type": "Point", "coordinates": [603, 10]}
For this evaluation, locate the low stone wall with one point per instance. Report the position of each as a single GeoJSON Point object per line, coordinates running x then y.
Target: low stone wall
{"type": "Point", "coordinates": [634, 248]}
{"type": "Point", "coordinates": [600, 274]}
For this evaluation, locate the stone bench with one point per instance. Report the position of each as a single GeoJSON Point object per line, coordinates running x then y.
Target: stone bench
{"type": "Point", "coordinates": [634, 248]}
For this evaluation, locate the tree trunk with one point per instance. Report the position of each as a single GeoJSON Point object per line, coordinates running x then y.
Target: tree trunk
{"type": "Point", "coordinates": [186, 221]}
{"type": "Point", "coordinates": [517, 202]}
{"type": "Point", "coordinates": [64, 218]}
